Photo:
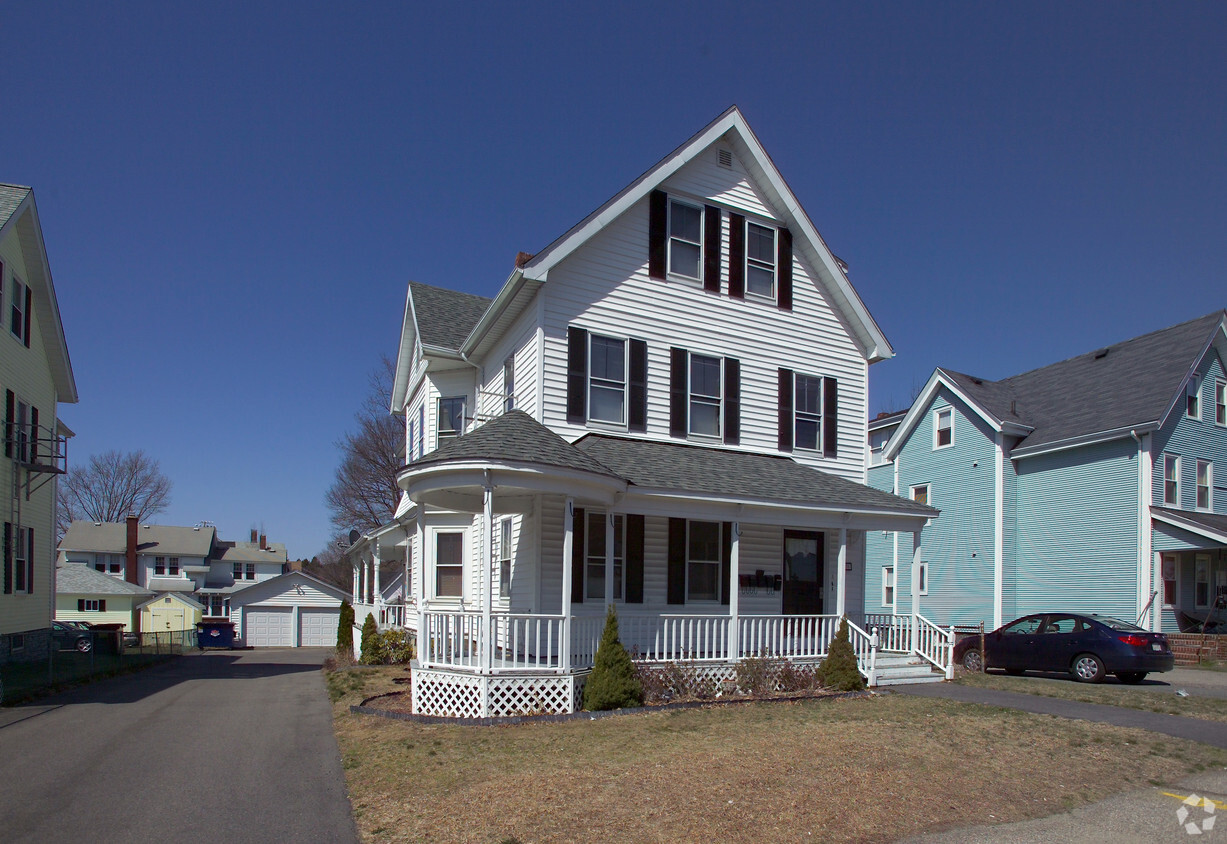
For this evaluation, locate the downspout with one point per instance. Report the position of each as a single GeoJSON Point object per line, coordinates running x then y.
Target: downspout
{"type": "Point", "coordinates": [1145, 571]}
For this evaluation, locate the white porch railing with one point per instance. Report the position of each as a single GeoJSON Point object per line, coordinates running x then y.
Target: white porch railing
{"type": "Point", "coordinates": [935, 645]}
{"type": "Point", "coordinates": [789, 636]}
{"type": "Point", "coordinates": [894, 631]}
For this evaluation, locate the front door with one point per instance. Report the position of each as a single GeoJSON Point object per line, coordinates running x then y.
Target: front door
{"type": "Point", "coordinates": [803, 572]}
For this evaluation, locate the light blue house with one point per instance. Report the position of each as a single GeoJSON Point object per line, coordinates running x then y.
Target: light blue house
{"type": "Point", "coordinates": [1097, 484]}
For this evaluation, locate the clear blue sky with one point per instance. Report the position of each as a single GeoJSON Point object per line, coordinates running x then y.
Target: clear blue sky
{"type": "Point", "coordinates": [234, 195]}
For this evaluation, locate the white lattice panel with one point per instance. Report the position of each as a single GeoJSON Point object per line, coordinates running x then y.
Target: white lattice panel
{"type": "Point", "coordinates": [445, 694]}
{"type": "Point", "coordinates": [531, 695]}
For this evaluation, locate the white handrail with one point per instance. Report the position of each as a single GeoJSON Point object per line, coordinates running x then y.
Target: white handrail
{"type": "Point", "coordinates": [935, 645]}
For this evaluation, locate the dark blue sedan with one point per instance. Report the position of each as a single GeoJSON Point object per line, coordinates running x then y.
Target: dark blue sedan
{"type": "Point", "coordinates": [1087, 646]}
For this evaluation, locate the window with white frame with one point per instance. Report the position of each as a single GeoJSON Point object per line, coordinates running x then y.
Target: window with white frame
{"type": "Point", "coordinates": [114, 564]}
{"type": "Point", "coordinates": [1201, 580]}
{"type": "Point", "coordinates": [237, 570]}
{"type": "Point", "coordinates": [888, 586]}
{"type": "Point", "coordinates": [606, 379]}
{"type": "Point", "coordinates": [594, 539]}
{"type": "Point", "coordinates": [706, 379]}
{"type": "Point", "coordinates": [923, 573]}
{"type": "Point", "coordinates": [504, 558]}
{"type": "Point", "coordinates": [1171, 480]}
{"type": "Point", "coordinates": [807, 413]}
{"type": "Point", "coordinates": [450, 418]}
{"type": "Point", "coordinates": [1193, 398]}
{"type": "Point", "coordinates": [23, 563]}
{"type": "Point", "coordinates": [21, 430]}
{"type": "Point", "coordinates": [685, 239]}
{"type": "Point", "coordinates": [91, 605]}
{"type": "Point", "coordinates": [920, 493]}
{"type": "Point", "coordinates": [509, 385]}
{"type": "Point", "coordinates": [249, 571]}
{"type": "Point", "coordinates": [159, 565]}
{"type": "Point", "coordinates": [449, 564]}
{"type": "Point", "coordinates": [172, 566]}
{"type": "Point", "coordinates": [1205, 485]}
{"type": "Point", "coordinates": [760, 260]}
{"type": "Point", "coordinates": [703, 561]}
{"type": "Point", "coordinates": [943, 427]}
{"type": "Point", "coordinates": [1169, 579]}
{"type": "Point", "coordinates": [17, 313]}
{"type": "Point", "coordinates": [1220, 402]}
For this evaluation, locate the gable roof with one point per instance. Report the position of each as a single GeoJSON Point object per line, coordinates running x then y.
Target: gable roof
{"type": "Point", "coordinates": [19, 214]}
{"type": "Point", "coordinates": [1103, 394]}
{"type": "Point", "coordinates": [80, 579]}
{"type": "Point", "coordinates": [181, 597]}
{"type": "Point", "coordinates": [277, 585]}
{"type": "Point", "coordinates": [249, 552]}
{"type": "Point", "coordinates": [444, 318]}
{"type": "Point", "coordinates": [112, 538]}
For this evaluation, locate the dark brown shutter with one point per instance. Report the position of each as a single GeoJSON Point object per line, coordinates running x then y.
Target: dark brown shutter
{"type": "Point", "coordinates": [637, 410]}
{"type": "Point", "coordinates": [784, 268]}
{"type": "Point", "coordinates": [726, 559]}
{"type": "Point", "coordinates": [577, 556]}
{"type": "Point", "coordinates": [679, 361]}
{"type": "Point", "coordinates": [785, 402]}
{"type": "Point", "coordinates": [737, 256]}
{"type": "Point", "coordinates": [33, 434]}
{"type": "Point", "coordinates": [80, 605]}
{"type": "Point", "coordinates": [27, 331]}
{"type": "Point", "coordinates": [8, 558]}
{"type": "Point", "coordinates": [658, 222]}
{"type": "Point", "coordinates": [711, 249]}
{"type": "Point", "coordinates": [732, 401]}
{"type": "Point", "coordinates": [102, 605]}
{"type": "Point", "coordinates": [634, 558]}
{"type": "Point", "coordinates": [9, 401]}
{"type": "Point", "coordinates": [30, 560]}
{"type": "Point", "coordinates": [677, 561]}
{"type": "Point", "coordinates": [577, 376]}
{"type": "Point", "coordinates": [830, 417]}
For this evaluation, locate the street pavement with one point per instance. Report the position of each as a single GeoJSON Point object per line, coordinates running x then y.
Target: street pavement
{"type": "Point", "coordinates": [1160, 814]}
{"type": "Point", "coordinates": [230, 746]}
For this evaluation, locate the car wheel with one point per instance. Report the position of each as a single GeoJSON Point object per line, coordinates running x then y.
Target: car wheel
{"type": "Point", "coordinates": [972, 661]}
{"type": "Point", "coordinates": [1088, 668]}
{"type": "Point", "coordinates": [1131, 677]}
{"type": "Point", "coordinates": [84, 645]}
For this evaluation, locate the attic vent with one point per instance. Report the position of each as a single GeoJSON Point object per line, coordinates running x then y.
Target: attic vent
{"type": "Point", "coordinates": [726, 159]}
{"type": "Point", "coordinates": [1102, 353]}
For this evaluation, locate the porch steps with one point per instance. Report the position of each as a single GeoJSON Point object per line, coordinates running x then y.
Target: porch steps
{"type": "Point", "coordinates": [898, 670]}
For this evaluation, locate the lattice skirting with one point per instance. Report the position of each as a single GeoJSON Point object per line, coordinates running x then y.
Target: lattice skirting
{"type": "Point", "coordinates": [458, 695]}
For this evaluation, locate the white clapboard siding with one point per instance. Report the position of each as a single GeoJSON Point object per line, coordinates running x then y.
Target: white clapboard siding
{"type": "Point", "coordinates": [519, 343]}
{"type": "Point", "coordinates": [704, 178]}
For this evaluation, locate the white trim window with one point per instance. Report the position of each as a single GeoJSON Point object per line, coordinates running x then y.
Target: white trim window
{"type": "Point", "coordinates": [1171, 480]}
{"type": "Point", "coordinates": [449, 418]}
{"type": "Point", "coordinates": [685, 239]}
{"type": "Point", "coordinates": [919, 493]}
{"type": "Point", "coordinates": [807, 413]}
{"type": "Point", "coordinates": [1192, 403]}
{"type": "Point", "coordinates": [449, 564]}
{"type": "Point", "coordinates": [888, 586]}
{"type": "Point", "coordinates": [1205, 485]}
{"type": "Point", "coordinates": [1168, 571]}
{"type": "Point", "coordinates": [504, 558]}
{"type": "Point", "coordinates": [509, 385]}
{"type": "Point", "coordinates": [159, 566]}
{"type": "Point", "coordinates": [923, 570]}
{"type": "Point", "coordinates": [702, 561]}
{"type": "Point", "coordinates": [17, 317]}
{"type": "Point", "coordinates": [249, 571]}
{"type": "Point", "coordinates": [607, 379]}
{"type": "Point", "coordinates": [760, 260]}
{"type": "Point", "coordinates": [706, 381]}
{"type": "Point", "coordinates": [90, 605]}
{"type": "Point", "coordinates": [943, 427]}
{"type": "Point", "coordinates": [1201, 580]}
{"type": "Point", "coordinates": [1220, 402]}
{"type": "Point", "coordinates": [594, 557]}
{"type": "Point", "coordinates": [23, 570]}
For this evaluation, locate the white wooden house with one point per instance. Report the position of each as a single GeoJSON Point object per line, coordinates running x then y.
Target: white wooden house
{"type": "Point", "coordinates": [664, 410]}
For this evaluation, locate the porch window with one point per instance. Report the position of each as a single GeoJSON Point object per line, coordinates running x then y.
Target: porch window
{"type": "Point", "coordinates": [449, 564]}
{"type": "Point", "coordinates": [888, 586]}
{"type": "Point", "coordinates": [450, 419]}
{"type": "Point", "coordinates": [943, 427]}
{"type": "Point", "coordinates": [1171, 480]}
{"type": "Point", "coordinates": [1220, 402]}
{"type": "Point", "coordinates": [1205, 483]}
{"type": "Point", "coordinates": [703, 561]}
{"type": "Point", "coordinates": [808, 414]}
{"type": "Point", "coordinates": [1193, 399]}
{"type": "Point", "coordinates": [607, 379]}
{"type": "Point", "coordinates": [1201, 567]}
{"type": "Point", "coordinates": [594, 537]}
{"type": "Point", "coordinates": [1169, 580]}
{"type": "Point", "coordinates": [923, 571]}
{"type": "Point", "coordinates": [504, 558]}
{"type": "Point", "coordinates": [705, 381]}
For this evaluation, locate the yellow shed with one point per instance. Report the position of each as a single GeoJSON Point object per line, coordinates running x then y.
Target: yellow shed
{"type": "Point", "coordinates": [169, 611]}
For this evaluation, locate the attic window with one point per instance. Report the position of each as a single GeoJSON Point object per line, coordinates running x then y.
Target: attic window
{"type": "Point", "coordinates": [1101, 354]}
{"type": "Point", "coordinates": [726, 158]}
{"type": "Point", "coordinates": [1193, 399]}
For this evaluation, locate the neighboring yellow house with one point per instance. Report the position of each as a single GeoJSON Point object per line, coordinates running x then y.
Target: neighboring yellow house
{"type": "Point", "coordinates": [168, 612]}
{"type": "Point", "coordinates": [82, 594]}
{"type": "Point", "coordinates": [35, 377]}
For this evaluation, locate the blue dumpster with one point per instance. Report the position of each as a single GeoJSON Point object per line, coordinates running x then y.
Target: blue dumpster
{"type": "Point", "coordinates": [215, 634]}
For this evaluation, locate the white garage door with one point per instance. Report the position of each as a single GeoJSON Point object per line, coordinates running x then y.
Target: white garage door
{"type": "Point", "coordinates": [318, 627]}
{"type": "Point", "coordinates": [268, 627]}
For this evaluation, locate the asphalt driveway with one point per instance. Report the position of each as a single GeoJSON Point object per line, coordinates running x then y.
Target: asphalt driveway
{"type": "Point", "coordinates": [221, 746]}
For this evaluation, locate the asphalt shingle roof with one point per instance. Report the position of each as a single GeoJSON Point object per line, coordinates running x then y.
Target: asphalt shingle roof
{"type": "Point", "coordinates": [445, 317]}
{"type": "Point", "coordinates": [80, 579]}
{"type": "Point", "coordinates": [112, 538]}
{"type": "Point", "coordinates": [1212, 521]}
{"type": "Point", "coordinates": [249, 552]}
{"type": "Point", "coordinates": [10, 197]}
{"type": "Point", "coordinates": [1120, 386]}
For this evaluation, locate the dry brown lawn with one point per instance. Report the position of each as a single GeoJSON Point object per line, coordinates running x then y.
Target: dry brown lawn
{"type": "Point", "coordinates": [873, 769]}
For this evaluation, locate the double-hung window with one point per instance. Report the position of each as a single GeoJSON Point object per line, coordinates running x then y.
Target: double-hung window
{"type": "Point", "coordinates": [606, 379]}
{"type": "Point", "coordinates": [509, 385]}
{"type": "Point", "coordinates": [1205, 485]}
{"type": "Point", "coordinates": [1169, 580]}
{"type": "Point", "coordinates": [706, 379]}
{"type": "Point", "coordinates": [17, 310]}
{"type": "Point", "coordinates": [172, 566]}
{"type": "Point", "coordinates": [237, 571]}
{"type": "Point", "coordinates": [808, 413]}
{"type": "Point", "coordinates": [943, 427]}
{"type": "Point", "coordinates": [23, 560]}
{"type": "Point", "coordinates": [760, 260]}
{"type": "Point", "coordinates": [159, 566]}
{"type": "Point", "coordinates": [1171, 480]}
{"type": "Point", "coordinates": [888, 586]}
{"type": "Point", "coordinates": [685, 239]}
{"type": "Point", "coordinates": [1201, 580]}
{"type": "Point", "coordinates": [504, 558]}
{"type": "Point", "coordinates": [249, 572]}
{"type": "Point", "coordinates": [450, 418]}
{"type": "Point", "coordinates": [1220, 402]}
{"type": "Point", "coordinates": [594, 560]}
{"type": "Point", "coordinates": [703, 561]}
{"type": "Point", "coordinates": [91, 605]}
{"type": "Point", "coordinates": [449, 564]}
{"type": "Point", "coordinates": [1193, 399]}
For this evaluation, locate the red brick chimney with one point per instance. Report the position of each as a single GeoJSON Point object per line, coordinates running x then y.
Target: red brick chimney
{"type": "Point", "coordinates": [263, 542]}
{"type": "Point", "coordinates": [253, 534]}
{"type": "Point", "coordinates": [130, 564]}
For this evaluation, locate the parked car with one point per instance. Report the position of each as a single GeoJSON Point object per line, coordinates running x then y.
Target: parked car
{"type": "Point", "coordinates": [1088, 646]}
{"type": "Point", "coordinates": [80, 625]}
{"type": "Point", "coordinates": [68, 637]}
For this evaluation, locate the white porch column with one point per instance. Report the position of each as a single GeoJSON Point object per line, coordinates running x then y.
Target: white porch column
{"type": "Point", "coordinates": [356, 585]}
{"type": "Point", "coordinates": [609, 560]}
{"type": "Point", "coordinates": [999, 532]}
{"type": "Point", "coordinates": [841, 577]}
{"type": "Point", "coordinates": [378, 602]}
{"type": "Point", "coordinates": [423, 639]}
{"type": "Point", "coordinates": [734, 645]}
{"type": "Point", "coordinates": [486, 578]}
{"type": "Point", "coordinates": [568, 541]}
{"type": "Point", "coordinates": [915, 591]}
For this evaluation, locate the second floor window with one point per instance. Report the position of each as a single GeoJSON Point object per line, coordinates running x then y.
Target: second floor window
{"type": "Point", "coordinates": [250, 572]}
{"type": "Point", "coordinates": [706, 382]}
{"type": "Point", "coordinates": [920, 494]}
{"type": "Point", "coordinates": [1220, 402]}
{"type": "Point", "coordinates": [450, 418]}
{"type": "Point", "coordinates": [760, 260]}
{"type": "Point", "coordinates": [238, 571]}
{"type": "Point", "coordinates": [808, 413]}
{"type": "Point", "coordinates": [607, 379]}
{"type": "Point", "coordinates": [509, 385]}
{"type": "Point", "coordinates": [18, 324]}
{"type": "Point", "coordinates": [172, 566]}
{"type": "Point", "coordinates": [1193, 400]}
{"type": "Point", "coordinates": [159, 565]}
{"type": "Point", "coordinates": [1205, 483]}
{"type": "Point", "coordinates": [1171, 480]}
{"type": "Point", "coordinates": [943, 427]}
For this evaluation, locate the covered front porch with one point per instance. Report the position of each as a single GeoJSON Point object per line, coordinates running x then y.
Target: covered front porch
{"type": "Point", "coordinates": [1190, 571]}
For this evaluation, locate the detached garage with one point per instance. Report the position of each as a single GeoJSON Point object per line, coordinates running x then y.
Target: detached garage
{"type": "Point", "coordinates": [289, 611]}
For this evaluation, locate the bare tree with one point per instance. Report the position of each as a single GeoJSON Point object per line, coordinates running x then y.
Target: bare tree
{"type": "Point", "coordinates": [109, 487]}
{"type": "Point", "coordinates": [364, 493]}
